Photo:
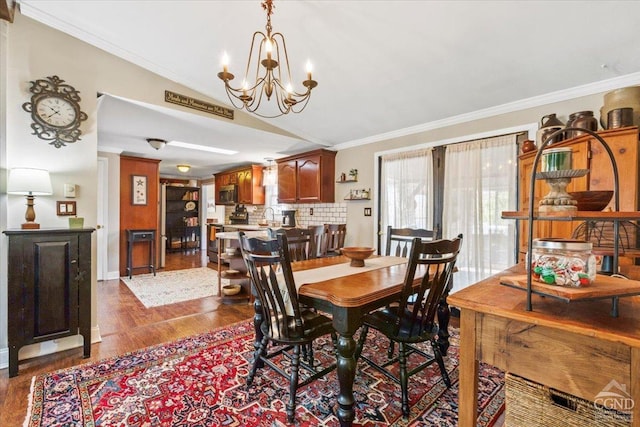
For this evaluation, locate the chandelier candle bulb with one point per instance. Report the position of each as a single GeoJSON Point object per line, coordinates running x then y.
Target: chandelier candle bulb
{"type": "Point", "coordinates": [309, 70]}
{"type": "Point", "coordinates": [225, 63]}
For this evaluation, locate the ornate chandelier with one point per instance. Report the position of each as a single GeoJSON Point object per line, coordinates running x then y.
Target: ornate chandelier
{"type": "Point", "coordinates": [273, 79]}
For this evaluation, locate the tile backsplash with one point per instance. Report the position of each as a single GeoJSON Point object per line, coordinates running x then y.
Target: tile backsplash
{"type": "Point", "coordinates": [323, 213]}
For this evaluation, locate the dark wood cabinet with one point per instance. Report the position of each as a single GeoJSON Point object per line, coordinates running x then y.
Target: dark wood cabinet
{"type": "Point", "coordinates": [49, 288]}
{"type": "Point", "coordinates": [182, 213]}
{"type": "Point", "coordinates": [307, 178]}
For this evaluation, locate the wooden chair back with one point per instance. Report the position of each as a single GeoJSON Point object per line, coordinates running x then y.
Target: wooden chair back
{"type": "Point", "coordinates": [301, 243]}
{"type": "Point", "coordinates": [269, 267]}
{"type": "Point", "coordinates": [418, 306]}
{"type": "Point", "coordinates": [318, 235]}
{"type": "Point", "coordinates": [399, 239]}
{"type": "Point", "coordinates": [334, 237]}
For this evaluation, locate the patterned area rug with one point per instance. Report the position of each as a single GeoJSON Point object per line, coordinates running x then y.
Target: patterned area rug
{"type": "Point", "coordinates": [168, 287]}
{"type": "Point", "coordinates": [201, 381]}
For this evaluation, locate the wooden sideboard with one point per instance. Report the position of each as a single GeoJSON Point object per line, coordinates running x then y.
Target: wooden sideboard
{"type": "Point", "coordinates": [49, 287]}
{"type": "Point", "coordinates": [577, 348]}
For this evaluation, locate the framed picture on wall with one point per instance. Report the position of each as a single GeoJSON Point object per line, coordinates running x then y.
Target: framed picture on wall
{"type": "Point", "coordinates": [139, 189]}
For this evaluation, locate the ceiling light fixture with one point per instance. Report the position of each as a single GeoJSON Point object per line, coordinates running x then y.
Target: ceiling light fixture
{"type": "Point", "coordinates": [201, 147]}
{"type": "Point", "coordinates": [269, 174]}
{"type": "Point", "coordinates": [268, 81]}
{"type": "Point", "coordinates": [156, 143]}
{"type": "Point", "coordinates": [184, 168]}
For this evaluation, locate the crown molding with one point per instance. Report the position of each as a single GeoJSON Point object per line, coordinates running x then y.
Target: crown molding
{"type": "Point", "coordinates": [523, 104]}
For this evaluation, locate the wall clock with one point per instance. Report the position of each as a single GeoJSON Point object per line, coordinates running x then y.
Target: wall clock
{"type": "Point", "coordinates": [55, 111]}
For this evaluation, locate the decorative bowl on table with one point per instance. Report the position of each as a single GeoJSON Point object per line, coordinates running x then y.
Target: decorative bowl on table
{"type": "Point", "coordinates": [592, 200]}
{"type": "Point", "coordinates": [357, 254]}
{"type": "Point", "coordinates": [231, 289]}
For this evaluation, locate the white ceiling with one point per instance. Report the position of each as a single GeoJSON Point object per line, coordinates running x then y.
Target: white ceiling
{"type": "Point", "coordinates": [381, 66]}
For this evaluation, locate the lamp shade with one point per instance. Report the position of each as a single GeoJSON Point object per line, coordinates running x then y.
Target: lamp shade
{"type": "Point", "coordinates": [184, 168]}
{"type": "Point", "coordinates": [27, 181]}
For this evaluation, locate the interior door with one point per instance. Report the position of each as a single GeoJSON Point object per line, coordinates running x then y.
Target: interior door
{"type": "Point", "coordinates": [102, 250]}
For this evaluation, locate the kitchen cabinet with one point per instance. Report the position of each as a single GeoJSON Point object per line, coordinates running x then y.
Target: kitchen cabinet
{"type": "Point", "coordinates": [49, 288]}
{"type": "Point", "coordinates": [307, 178]}
{"type": "Point", "coordinates": [182, 218]}
{"type": "Point", "coordinates": [248, 180]}
{"type": "Point", "coordinates": [587, 153]}
{"type": "Point", "coordinates": [250, 188]}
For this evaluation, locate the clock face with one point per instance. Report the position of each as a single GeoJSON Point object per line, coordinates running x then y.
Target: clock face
{"type": "Point", "coordinates": [56, 111]}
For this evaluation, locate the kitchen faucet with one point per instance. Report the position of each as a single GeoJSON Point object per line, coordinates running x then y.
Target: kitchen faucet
{"type": "Point", "coordinates": [273, 213]}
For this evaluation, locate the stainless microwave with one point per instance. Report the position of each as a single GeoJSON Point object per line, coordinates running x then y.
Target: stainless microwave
{"type": "Point", "coordinates": [228, 194]}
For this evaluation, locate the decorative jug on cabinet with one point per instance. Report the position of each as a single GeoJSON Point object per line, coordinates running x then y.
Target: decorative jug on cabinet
{"type": "Point", "coordinates": [547, 127]}
{"type": "Point", "coordinates": [528, 145]}
{"type": "Point", "coordinates": [581, 119]}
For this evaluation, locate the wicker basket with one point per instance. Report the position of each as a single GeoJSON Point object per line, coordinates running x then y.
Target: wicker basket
{"type": "Point", "coordinates": [530, 404]}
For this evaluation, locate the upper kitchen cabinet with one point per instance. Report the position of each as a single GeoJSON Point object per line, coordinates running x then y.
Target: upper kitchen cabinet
{"type": "Point", "coordinates": [307, 177]}
{"type": "Point", "coordinates": [247, 185]}
{"type": "Point", "coordinates": [250, 188]}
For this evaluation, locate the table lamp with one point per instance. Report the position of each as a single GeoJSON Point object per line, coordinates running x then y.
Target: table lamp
{"type": "Point", "coordinates": [29, 182]}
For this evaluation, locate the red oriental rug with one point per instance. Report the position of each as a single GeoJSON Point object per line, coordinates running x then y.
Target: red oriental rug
{"type": "Point", "coordinates": [201, 381]}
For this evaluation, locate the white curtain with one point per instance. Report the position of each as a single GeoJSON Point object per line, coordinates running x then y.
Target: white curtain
{"type": "Point", "coordinates": [480, 183]}
{"type": "Point", "coordinates": [407, 190]}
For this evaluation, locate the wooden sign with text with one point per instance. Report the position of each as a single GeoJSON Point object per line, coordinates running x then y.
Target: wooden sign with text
{"type": "Point", "coordinates": [196, 104]}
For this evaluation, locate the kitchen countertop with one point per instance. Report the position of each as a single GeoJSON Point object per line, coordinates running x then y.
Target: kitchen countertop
{"type": "Point", "coordinates": [234, 234]}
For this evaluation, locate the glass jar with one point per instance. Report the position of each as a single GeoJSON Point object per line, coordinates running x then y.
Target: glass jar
{"type": "Point", "coordinates": [563, 262]}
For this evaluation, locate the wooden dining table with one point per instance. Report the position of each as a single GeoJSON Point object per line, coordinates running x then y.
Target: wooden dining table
{"type": "Point", "coordinates": [347, 299]}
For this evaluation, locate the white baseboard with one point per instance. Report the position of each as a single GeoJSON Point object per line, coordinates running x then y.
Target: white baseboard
{"type": "Point", "coordinates": [49, 347]}
{"type": "Point", "coordinates": [111, 275]}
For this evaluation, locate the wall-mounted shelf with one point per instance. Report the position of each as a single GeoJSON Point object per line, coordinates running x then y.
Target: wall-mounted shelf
{"type": "Point", "coordinates": [357, 198]}
{"type": "Point", "coordinates": [344, 181]}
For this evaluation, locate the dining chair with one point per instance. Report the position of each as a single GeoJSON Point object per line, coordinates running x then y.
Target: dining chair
{"type": "Point", "coordinates": [287, 327]}
{"type": "Point", "coordinates": [334, 238]}
{"type": "Point", "coordinates": [409, 323]}
{"type": "Point", "coordinates": [399, 239]}
{"type": "Point", "coordinates": [302, 245]}
{"type": "Point", "coordinates": [318, 235]}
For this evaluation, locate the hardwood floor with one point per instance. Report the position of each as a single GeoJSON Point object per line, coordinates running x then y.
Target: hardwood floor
{"type": "Point", "coordinates": [125, 325]}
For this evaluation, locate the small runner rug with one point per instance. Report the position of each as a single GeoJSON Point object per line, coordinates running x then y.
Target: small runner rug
{"type": "Point", "coordinates": [168, 287]}
{"type": "Point", "coordinates": [201, 381]}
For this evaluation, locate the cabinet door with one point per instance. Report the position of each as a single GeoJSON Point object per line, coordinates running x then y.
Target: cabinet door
{"type": "Point", "coordinates": [287, 182]}
{"type": "Point", "coordinates": [309, 183]}
{"type": "Point", "coordinates": [245, 188]}
{"type": "Point", "coordinates": [219, 183]}
{"type": "Point", "coordinates": [51, 288]}
{"type": "Point", "coordinates": [624, 145]}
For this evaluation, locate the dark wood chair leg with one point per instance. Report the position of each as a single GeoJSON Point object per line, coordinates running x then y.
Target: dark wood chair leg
{"type": "Point", "coordinates": [404, 378]}
{"type": "Point", "coordinates": [257, 323]}
{"type": "Point", "coordinates": [293, 384]}
{"type": "Point", "coordinates": [444, 315]}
